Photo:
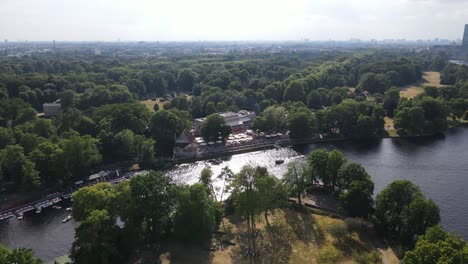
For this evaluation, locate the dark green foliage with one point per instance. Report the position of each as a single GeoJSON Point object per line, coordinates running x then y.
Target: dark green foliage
{"type": "Point", "coordinates": [195, 213]}
{"type": "Point", "coordinates": [437, 246]}
{"type": "Point", "coordinates": [18, 256]}
{"type": "Point", "coordinates": [213, 127]}
{"type": "Point", "coordinates": [404, 213]}
{"type": "Point", "coordinates": [301, 123]}
{"type": "Point", "coordinates": [95, 239]}
{"type": "Point", "coordinates": [154, 200]}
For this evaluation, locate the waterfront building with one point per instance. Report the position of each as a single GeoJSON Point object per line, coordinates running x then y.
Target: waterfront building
{"type": "Point", "coordinates": [239, 122]}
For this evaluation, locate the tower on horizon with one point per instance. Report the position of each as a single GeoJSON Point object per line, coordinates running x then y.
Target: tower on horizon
{"type": "Point", "coordinates": [465, 38]}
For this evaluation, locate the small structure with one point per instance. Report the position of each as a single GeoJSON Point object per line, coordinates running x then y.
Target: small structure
{"type": "Point", "coordinates": [184, 139]}
{"type": "Point", "coordinates": [52, 109]}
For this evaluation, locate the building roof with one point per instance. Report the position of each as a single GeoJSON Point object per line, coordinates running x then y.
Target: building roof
{"type": "Point", "coordinates": [184, 138]}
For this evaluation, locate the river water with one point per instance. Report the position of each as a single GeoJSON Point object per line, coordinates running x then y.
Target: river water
{"type": "Point", "coordinates": [438, 166]}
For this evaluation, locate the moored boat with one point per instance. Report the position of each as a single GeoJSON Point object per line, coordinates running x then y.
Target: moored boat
{"type": "Point", "coordinates": [277, 162]}
{"type": "Point", "coordinates": [66, 219]}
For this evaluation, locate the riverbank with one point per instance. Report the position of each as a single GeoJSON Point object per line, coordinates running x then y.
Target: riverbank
{"type": "Point", "coordinates": [285, 143]}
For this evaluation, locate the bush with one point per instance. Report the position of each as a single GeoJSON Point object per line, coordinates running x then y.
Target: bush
{"type": "Point", "coordinates": [369, 258]}
{"type": "Point", "coordinates": [329, 254]}
{"type": "Point", "coordinates": [358, 225]}
{"type": "Point", "coordinates": [339, 231]}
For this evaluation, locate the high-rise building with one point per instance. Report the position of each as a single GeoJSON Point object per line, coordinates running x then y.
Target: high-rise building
{"type": "Point", "coordinates": [465, 38]}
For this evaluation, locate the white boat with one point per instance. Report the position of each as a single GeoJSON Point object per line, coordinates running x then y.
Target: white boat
{"type": "Point", "coordinates": [69, 209]}
{"type": "Point", "coordinates": [57, 207]}
{"type": "Point", "coordinates": [20, 217]}
{"type": "Point", "coordinates": [39, 210]}
{"type": "Point", "coordinates": [67, 219]}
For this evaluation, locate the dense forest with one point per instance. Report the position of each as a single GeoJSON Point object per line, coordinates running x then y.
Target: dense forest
{"type": "Point", "coordinates": [102, 121]}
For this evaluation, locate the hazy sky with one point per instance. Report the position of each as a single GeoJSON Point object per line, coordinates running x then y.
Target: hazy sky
{"type": "Point", "coordinates": [231, 19]}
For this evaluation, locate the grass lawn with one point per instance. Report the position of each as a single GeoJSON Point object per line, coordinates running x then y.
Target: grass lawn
{"type": "Point", "coordinates": [389, 127]}
{"type": "Point", "coordinates": [149, 103]}
{"type": "Point", "coordinates": [428, 79]}
{"type": "Point", "coordinates": [292, 237]}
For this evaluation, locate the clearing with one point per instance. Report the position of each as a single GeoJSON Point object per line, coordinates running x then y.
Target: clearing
{"type": "Point", "coordinates": [149, 103]}
{"type": "Point", "coordinates": [429, 78]}
{"type": "Point", "coordinates": [293, 237]}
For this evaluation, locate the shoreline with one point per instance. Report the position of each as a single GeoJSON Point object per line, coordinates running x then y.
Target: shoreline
{"type": "Point", "coordinates": [286, 143]}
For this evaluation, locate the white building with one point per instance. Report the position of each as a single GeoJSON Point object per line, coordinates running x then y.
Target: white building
{"type": "Point", "coordinates": [52, 109]}
{"type": "Point", "coordinates": [239, 122]}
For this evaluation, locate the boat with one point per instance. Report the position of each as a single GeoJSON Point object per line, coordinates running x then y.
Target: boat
{"type": "Point", "coordinates": [20, 217]}
{"type": "Point", "coordinates": [57, 207]}
{"type": "Point", "coordinates": [277, 162]}
{"type": "Point", "coordinates": [66, 219]}
{"type": "Point", "coordinates": [39, 210]}
{"type": "Point", "coordinates": [69, 209]}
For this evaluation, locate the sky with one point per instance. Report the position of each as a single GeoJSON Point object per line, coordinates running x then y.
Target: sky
{"type": "Point", "coordinates": [193, 20]}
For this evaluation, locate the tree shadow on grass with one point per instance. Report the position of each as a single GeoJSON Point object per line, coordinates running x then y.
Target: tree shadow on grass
{"type": "Point", "coordinates": [190, 253]}
{"type": "Point", "coordinates": [176, 252]}
{"type": "Point", "coordinates": [274, 243]}
{"type": "Point", "coordinates": [304, 226]}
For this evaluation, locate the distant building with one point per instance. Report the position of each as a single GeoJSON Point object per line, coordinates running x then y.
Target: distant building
{"type": "Point", "coordinates": [52, 109]}
{"type": "Point", "coordinates": [465, 38]}
{"type": "Point", "coordinates": [239, 122]}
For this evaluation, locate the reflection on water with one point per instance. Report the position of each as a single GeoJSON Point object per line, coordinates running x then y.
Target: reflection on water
{"type": "Point", "coordinates": [438, 166]}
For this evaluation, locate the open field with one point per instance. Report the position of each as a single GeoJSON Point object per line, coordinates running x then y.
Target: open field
{"type": "Point", "coordinates": [428, 79]}
{"type": "Point", "coordinates": [292, 237]}
{"type": "Point", "coordinates": [389, 127]}
{"type": "Point", "coordinates": [150, 104]}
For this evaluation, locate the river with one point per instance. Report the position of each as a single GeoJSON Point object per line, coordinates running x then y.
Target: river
{"type": "Point", "coordinates": [438, 166]}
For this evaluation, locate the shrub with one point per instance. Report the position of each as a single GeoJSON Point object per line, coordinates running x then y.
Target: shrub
{"type": "Point", "coordinates": [358, 225]}
{"type": "Point", "coordinates": [329, 254]}
{"type": "Point", "coordinates": [339, 231]}
{"type": "Point", "coordinates": [369, 258]}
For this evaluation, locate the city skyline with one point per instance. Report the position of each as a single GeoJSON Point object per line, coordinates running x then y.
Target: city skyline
{"type": "Point", "coordinates": [242, 20]}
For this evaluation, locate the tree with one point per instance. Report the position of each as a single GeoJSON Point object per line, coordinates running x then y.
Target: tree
{"type": "Point", "coordinates": [88, 199]}
{"type": "Point", "coordinates": [18, 256]}
{"type": "Point", "coordinates": [272, 193]}
{"type": "Point", "coordinates": [410, 121]}
{"type": "Point", "coordinates": [211, 108]}
{"type": "Point", "coordinates": [294, 92]}
{"type": "Point", "coordinates": [164, 127]}
{"type": "Point", "coordinates": [301, 123]}
{"type": "Point", "coordinates": [154, 199]}
{"type": "Point", "coordinates": [247, 200]}
{"type": "Point", "coordinates": [374, 83]}
{"type": "Point", "coordinates": [391, 100]}
{"type": "Point", "coordinates": [196, 213]}
{"type": "Point", "coordinates": [350, 172]}
{"type": "Point", "coordinates": [296, 181]}
{"type": "Point", "coordinates": [403, 214]}
{"type": "Point", "coordinates": [357, 200]}
{"type": "Point", "coordinates": [16, 167]}
{"type": "Point", "coordinates": [6, 137]}
{"type": "Point", "coordinates": [186, 80]}
{"type": "Point", "coordinates": [273, 118]}
{"type": "Point", "coordinates": [437, 246]}
{"type": "Point", "coordinates": [214, 126]}
{"type": "Point", "coordinates": [335, 161]}
{"type": "Point", "coordinates": [95, 239]}
{"type": "Point", "coordinates": [318, 166]}
{"type": "Point", "coordinates": [364, 127]}
{"type": "Point", "coordinates": [78, 155]}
